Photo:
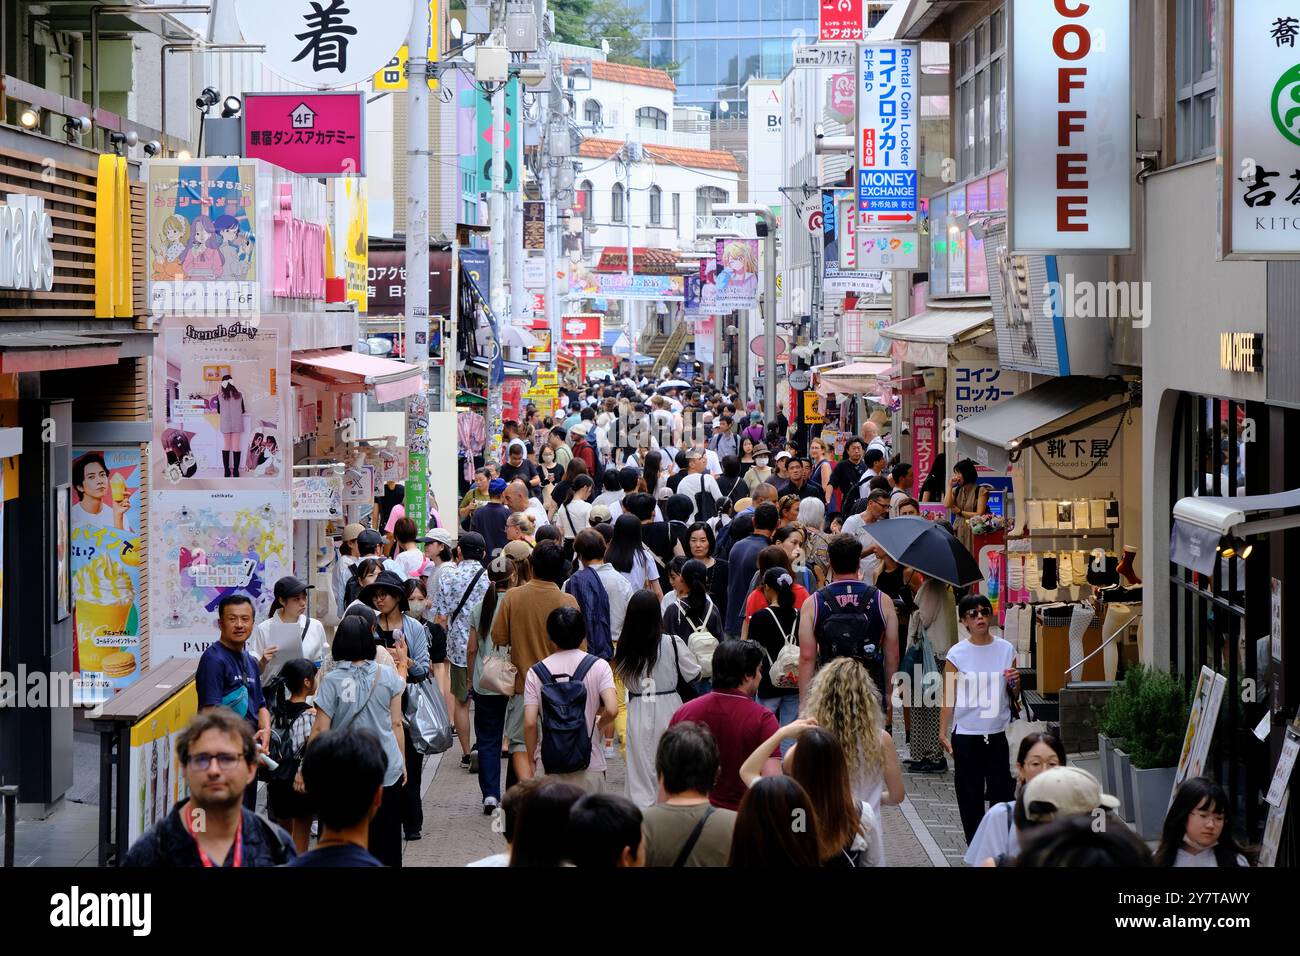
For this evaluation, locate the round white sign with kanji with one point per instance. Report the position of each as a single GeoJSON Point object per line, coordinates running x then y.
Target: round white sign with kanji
{"type": "Point", "coordinates": [326, 44]}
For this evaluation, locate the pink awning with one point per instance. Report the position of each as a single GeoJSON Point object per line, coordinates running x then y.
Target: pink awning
{"type": "Point", "coordinates": [341, 371]}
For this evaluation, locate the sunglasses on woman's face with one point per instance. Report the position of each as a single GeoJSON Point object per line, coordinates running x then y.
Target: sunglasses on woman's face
{"type": "Point", "coordinates": [979, 612]}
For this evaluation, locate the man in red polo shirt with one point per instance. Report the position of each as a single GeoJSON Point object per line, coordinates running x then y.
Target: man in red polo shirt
{"type": "Point", "coordinates": [737, 722]}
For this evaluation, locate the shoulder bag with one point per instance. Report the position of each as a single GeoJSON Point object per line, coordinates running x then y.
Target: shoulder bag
{"type": "Point", "coordinates": [693, 839]}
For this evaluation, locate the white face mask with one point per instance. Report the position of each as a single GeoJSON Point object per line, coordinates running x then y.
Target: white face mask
{"type": "Point", "coordinates": [761, 462]}
{"type": "Point", "coordinates": [417, 608]}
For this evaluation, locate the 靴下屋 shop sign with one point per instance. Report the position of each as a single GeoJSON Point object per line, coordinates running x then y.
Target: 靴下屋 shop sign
{"type": "Point", "coordinates": [1073, 142]}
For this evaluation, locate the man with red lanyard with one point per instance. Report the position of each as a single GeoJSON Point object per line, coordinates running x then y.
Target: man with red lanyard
{"type": "Point", "coordinates": [218, 756]}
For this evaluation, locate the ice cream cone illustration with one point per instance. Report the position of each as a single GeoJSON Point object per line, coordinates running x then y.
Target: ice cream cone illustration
{"type": "Point", "coordinates": [104, 595]}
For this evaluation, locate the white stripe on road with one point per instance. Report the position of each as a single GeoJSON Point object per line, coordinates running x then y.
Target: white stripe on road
{"type": "Point", "coordinates": [922, 834]}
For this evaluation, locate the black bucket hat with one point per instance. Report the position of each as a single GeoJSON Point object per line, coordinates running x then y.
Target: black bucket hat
{"type": "Point", "coordinates": [387, 581]}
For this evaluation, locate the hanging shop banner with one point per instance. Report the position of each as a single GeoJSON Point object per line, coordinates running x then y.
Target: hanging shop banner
{"type": "Point", "coordinates": [840, 20]}
{"type": "Point", "coordinates": [889, 139]}
{"type": "Point", "coordinates": [1029, 322]}
{"type": "Point", "coordinates": [203, 546]}
{"type": "Point", "coordinates": [535, 273]}
{"type": "Point", "coordinates": [534, 225]}
{"type": "Point", "coordinates": [838, 214]}
{"type": "Point", "coordinates": [351, 239]}
{"type": "Point", "coordinates": [105, 568]}
{"type": "Point", "coordinates": [618, 286]}
{"type": "Point", "coordinates": [706, 329]}
{"type": "Point", "coordinates": [316, 134]}
{"type": "Point", "coordinates": [157, 778]}
{"type": "Point", "coordinates": [1071, 154]}
{"type": "Point", "coordinates": [812, 412]}
{"type": "Point", "coordinates": [389, 462]}
{"type": "Point", "coordinates": [202, 238]}
{"type": "Point", "coordinates": [484, 153]}
{"type": "Point", "coordinates": [358, 484]}
{"type": "Point", "coordinates": [317, 497]}
{"type": "Point", "coordinates": [325, 44]}
{"type": "Point", "coordinates": [417, 452]}
{"type": "Point", "coordinates": [541, 352]}
{"type": "Point", "coordinates": [1259, 85]}
{"type": "Point", "coordinates": [887, 250]}
{"type": "Point", "coordinates": [841, 92]}
{"type": "Point", "coordinates": [925, 440]}
{"type": "Point", "coordinates": [1092, 452]}
{"type": "Point", "coordinates": [393, 76]}
{"type": "Point", "coordinates": [701, 291]}
{"type": "Point", "coordinates": [736, 278]}
{"type": "Point", "coordinates": [512, 400]}
{"type": "Point", "coordinates": [221, 403]}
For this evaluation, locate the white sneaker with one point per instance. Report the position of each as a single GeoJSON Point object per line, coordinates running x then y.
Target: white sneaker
{"type": "Point", "coordinates": [489, 805]}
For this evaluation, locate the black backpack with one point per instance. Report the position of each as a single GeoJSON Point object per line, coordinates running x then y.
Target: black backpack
{"type": "Point", "coordinates": [853, 629]}
{"type": "Point", "coordinates": [566, 738]}
{"type": "Point", "coordinates": [281, 748]}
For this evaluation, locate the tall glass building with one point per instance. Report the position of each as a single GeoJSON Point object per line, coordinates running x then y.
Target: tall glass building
{"type": "Point", "coordinates": [719, 44]}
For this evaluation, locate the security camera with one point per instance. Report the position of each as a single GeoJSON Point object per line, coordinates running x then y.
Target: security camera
{"type": "Point", "coordinates": [819, 131]}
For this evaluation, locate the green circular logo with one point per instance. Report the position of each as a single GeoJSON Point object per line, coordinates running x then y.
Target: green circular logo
{"type": "Point", "coordinates": [1286, 104]}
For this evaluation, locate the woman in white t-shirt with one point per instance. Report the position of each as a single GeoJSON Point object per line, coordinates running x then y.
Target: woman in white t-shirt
{"type": "Point", "coordinates": [980, 680]}
{"type": "Point", "coordinates": [571, 515]}
{"type": "Point", "coordinates": [996, 838]}
{"type": "Point", "coordinates": [631, 558]}
{"type": "Point", "coordinates": [289, 607]}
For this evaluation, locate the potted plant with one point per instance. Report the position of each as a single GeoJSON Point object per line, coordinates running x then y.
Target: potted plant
{"type": "Point", "coordinates": [1159, 724]}
{"type": "Point", "coordinates": [1117, 725]}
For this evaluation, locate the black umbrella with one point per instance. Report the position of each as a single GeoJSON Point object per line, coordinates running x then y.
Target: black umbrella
{"type": "Point", "coordinates": [925, 546]}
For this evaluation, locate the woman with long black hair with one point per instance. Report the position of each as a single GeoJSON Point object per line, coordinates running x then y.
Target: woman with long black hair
{"type": "Point", "coordinates": [700, 545]}
{"type": "Point", "coordinates": [932, 489]}
{"type": "Point", "coordinates": [968, 498]}
{"type": "Point", "coordinates": [655, 475]}
{"type": "Point", "coordinates": [696, 611]}
{"type": "Point", "coordinates": [630, 557]}
{"type": "Point", "coordinates": [1198, 829]}
{"type": "Point", "coordinates": [650, 662]}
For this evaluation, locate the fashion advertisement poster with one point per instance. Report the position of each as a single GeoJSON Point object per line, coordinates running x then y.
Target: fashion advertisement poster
{"type": "Point", "coordinates": [736, 280]}
{"type": "Point", "coordinates": [208, 544]}
{"type": "Point", "coordinates": [221, 404]}
{"type": "Point", "coordinates": [105, 569]}
{"type": "Point", "coordinates": [201, 229]}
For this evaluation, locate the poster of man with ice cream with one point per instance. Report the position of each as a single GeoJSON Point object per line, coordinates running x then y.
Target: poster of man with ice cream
{"type": "Point", "coordinates": [105, 569]}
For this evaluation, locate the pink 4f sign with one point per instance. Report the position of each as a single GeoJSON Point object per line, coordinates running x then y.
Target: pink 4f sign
{"type": "Point", "coordinates": [839, 20]}
{"type": "Point", "coordinates": [316, 134]}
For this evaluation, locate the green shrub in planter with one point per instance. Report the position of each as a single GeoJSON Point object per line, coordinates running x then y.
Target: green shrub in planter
{"type": "Point", "coordinates": [1117, 716]}
{"type": "Point", "coordinates": [1159, 721]}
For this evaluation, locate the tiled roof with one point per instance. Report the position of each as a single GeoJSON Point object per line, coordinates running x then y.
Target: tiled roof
{"type": "Point", "coordinates": [633, 75]}
{"type": "Point", "coordinates": [645, 261]}
{"type": "Point", "coordinates": [692, 158]}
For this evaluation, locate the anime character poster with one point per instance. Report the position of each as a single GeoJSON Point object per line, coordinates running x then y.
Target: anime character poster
{"type": "Point", "coordinates": [205, 545]}
{"type": "Point", "coordinates": [105, 569]}
{"type": "Point", "coordinates": [201, 229]}
{"type": "Point", "coordinates": [736, 278]}
{"type": "Point", "coordinates": [221, 403]}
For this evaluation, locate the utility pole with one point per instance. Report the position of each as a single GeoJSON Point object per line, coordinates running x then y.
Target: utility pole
{"type": "Point", "coordinates": [416, 324]}
{"type": "Point", "coordinates": [496, 257]}
{"type": "Point", "coordinates": [769, 306]}
{"type": "Point", "coordinates": [554, 236]}
{"type": "Point", "coordinates": [627, 216]}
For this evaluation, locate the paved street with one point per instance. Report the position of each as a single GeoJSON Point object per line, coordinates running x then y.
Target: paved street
{"type": "Point", "coordinates": [924, 831]}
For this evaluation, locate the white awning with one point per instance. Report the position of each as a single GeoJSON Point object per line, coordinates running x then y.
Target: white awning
{"type": "Point", "coordinates": [856, 378]}
{"type": "Point", "coordinates": [929, 334]}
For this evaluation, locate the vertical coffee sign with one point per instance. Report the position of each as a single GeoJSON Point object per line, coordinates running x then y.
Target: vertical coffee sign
{"type": "Point", "coordinates": [1259, 83]}
{"type": "Point", "coordinates": [1073, 141]}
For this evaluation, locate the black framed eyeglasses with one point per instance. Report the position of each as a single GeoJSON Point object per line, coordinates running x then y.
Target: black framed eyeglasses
{"type": "Point", "coordinates": [224, 761]}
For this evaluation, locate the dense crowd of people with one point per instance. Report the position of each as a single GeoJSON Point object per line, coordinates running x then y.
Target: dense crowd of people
{"type": "Point", "coordinates": [657, 574]}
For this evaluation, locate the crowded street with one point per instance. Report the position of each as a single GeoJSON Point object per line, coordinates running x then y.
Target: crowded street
{"type": "Point", "coordinates": [473, 435]}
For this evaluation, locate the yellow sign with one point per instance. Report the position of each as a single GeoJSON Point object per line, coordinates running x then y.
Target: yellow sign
{"type": "Point", "coordinates": [350, 237]}
{"type": "Point", "coordinates": [157, 780]}
{"type": "Point", "coordinates": [112, 240]}
{"type": "Point", "coordinates": [548, 379]}
{"type": "Point", "coordinates": [393, 75]}
{"type": "Point", "coordinates": [812, 414]}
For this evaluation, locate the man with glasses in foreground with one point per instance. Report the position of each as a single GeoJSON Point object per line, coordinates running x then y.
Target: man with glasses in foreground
{"type": "Point", "coordinates": [212, 828]}
{"type": "Point", "coordinates": [980, 684]}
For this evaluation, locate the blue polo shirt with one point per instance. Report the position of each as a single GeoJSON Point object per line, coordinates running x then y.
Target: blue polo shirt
{"type": "Point", "coordinates": [227, 678]}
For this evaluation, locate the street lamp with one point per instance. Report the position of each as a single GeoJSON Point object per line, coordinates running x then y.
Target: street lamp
{"type": "Point", "coordinates": [767, 232]}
